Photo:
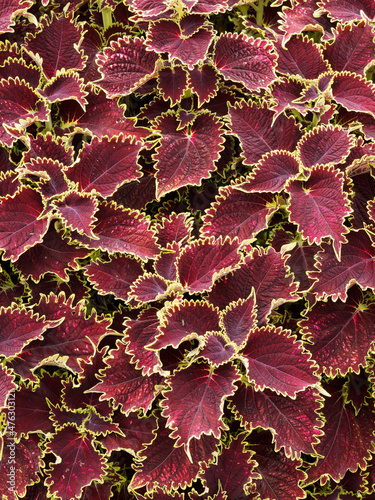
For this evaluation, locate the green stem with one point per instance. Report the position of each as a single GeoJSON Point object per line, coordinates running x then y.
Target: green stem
{"type": "Point", "coordinates": [259, 18]}
{"type": "Point", "coordinates": [49, 123]}
{"type": "Point", "coordinates": [107, 17]}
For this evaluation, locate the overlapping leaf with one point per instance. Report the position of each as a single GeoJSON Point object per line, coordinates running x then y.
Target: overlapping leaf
{"type": "Point", "coordinates": [352, 49]}
{"type": "Point", "coordinates": [266, 273]}
{"type": "Point", "coordinates": [126, 385]}
{"type": "Point", "coordinates": [204, 261]}
{"type": "Point", "coordinates": [233, 471]}
{"type": "Point", "coordinates": [357, 265]}
{"type": "Point", "coordinates": [187, 321]}
{"type": "Point", "coordinates": [320, 198]}
{"type": "Point", "coordinates": [54, 46]}
{"type": "Point", "coordinates": [105, 164]}
{"type": "Point", "coordinates": [123, 231]}
{"type": "Point", "coordinates": [116, 276]}
{"type": "Point", "coordinates": [275, 360]}
{"type": "Point", "coordinates": [246, 60]}
{"type": "Point", "coordinates": [325, 146]}
{"type": "Point", "coordinates": [53, 255]}
{"type": "Point", "coordinates": [347, 437]}
{"type": "Point", "coordinates": [354, 93]}
{"type": "Point", "coordinates": [20, 225]}
{"type": "Point", "coordinates": [341, 333]}
{"type": "Point", "coordinates": [185, 157]}
{"type": "Point", "coordinates": [194, 405]}
{"type": "Point", "coordinates": [9, 10]}
{"type": "Point", "coordinates": [80, 463]}
{"type": "Point", "coordinates": [238, 214]}
{"type": "Point", "coordinates": [169, 466]}
{"type": "Point", "coordinates": [294, 423]}
{"type": "Point", "coordinates": [125, 65]}
{"type": "Point", "coordinates": [189, 46]}
{"type": "Point", "coordinates": [257, 133]}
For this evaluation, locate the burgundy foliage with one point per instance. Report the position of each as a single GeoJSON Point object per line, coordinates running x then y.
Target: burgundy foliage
{"type": "Point", "coordinates": [187, 249]}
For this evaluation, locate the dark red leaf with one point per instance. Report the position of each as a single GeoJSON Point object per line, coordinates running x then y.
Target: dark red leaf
{"type": "Point", "coordinates": [77, 211]}
{"type": "Point", "coordinates": [115, 276]}
{"type": "Point", "coordinates": [356, 265]}
{"type": "Point", "coordinates": [233, 470]}
{"type": "Point", "coordinates": [185, 157]}
{"type": "Point", "coordinates": [258, 135]}
{"type": "Point", "coordinates": [217, 349]}
{"type": "Point", "coordinates": [354, 92]}
{"type": "Point", "coordinates": [347, 10]}
{"type": "Point", "coordinates": [125, 65]}
{"type": "Point", "coordinates": [20, 226]}
{"type": "Point", "coordinates": [238, 214]}
{"type": "Point", "coordinates": [285, 92]}
{"type": "Point", "coordinates": [9, 10]}
{"type": "Point", "coordinates": [204, 261]}
{"type": "Point", "coordinates": [53, 255]}
{"type": "Point", "coordinates": [18, 328]}
{"type": "Point", "coordinates": [106, 164]}
{"type": "Point", "coordinates": [301, 56]}
{"type": "Point", "coordinates": [274, 359]}
{"type": "Point", "coordinates": [271, 173]}
{"type": "Point", "coordinates": [174, 229]}
{"type": "Point", "coordinates": [352, 49]}
{"type": "Point", "coordinates": [164, 464]}
{"type": "Point", "coordinates": [341, 333]}
{"type": "Point", "coordinates": [267, 273]}
{"type": "Point", "coordinates": [280, 478]}
{"type": "Point", "coordinates": [186, 321]}
{"type": "Point", "coordinates": [48, 146]}
{"type": "Point", "coordinates": [148, 288]}
{"type": "Point", "coordinates": [20, 106]}
{"type": "Point", "coordinates": [125, 385]}
{"type": "Point", "coordinates": [347, 437]}
{"type": "Point", "coordinates": [29, 73]}
{"type": "Point", "coordinates": [172, 83]}
{"type": "Point", "coordinates": [204, 82]}
{"type": "Point", "coordinates": [320, 198]}
{"type": "Point", "coordinates": [167, 36]}
{"type": "Point", "coordinates": [78, 466]}
{"type": "Point", "coordinates": [139, 333]}
{"type": "Point", "coordinates": [65, 87]}
{"type": "Point", "coordinates": [246, 60]}
{"type": "Point", "coordinates": [7, 388]}
{"type": "Point", "coordinates": [239, 319]}
{"type": "Point", "coordinates": [325, 146]}
{"type": "Point", "coordinates": [294, 423]}
{"type": "Point", "coordinates": [194, 403]}
{"type": "Point", "coordinates": [54, 45]}
{"type": "Point", "coordinates": [125, 231]}
{"type": "Point", "coordinates": [50, 173]}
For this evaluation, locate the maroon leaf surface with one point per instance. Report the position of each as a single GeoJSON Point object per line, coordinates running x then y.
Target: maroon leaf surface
{"type": "Point", "coordinates": [20, 226]}
{"type": "Point", "coordinates": [238, 214]}
{"type": "Point", "coordinates": [123, 231]}
{"type": "Point", "coordinates": [172, 83]}
{"type": "Point", "coordinates": [194, 403]}
{"type": "Point", "coordinates": [185, 157]}
{"type": "Point", "coordinates": [18, 328]}
{"type": "Point", "coordinates": [352, 49]}
{"type": "Point", "coordinates": [189, 48]}
{"type": "Point", "coordinates": [324, 146]}
{"type": "Point", "coordinates": [239, 318]}
{"type": "Point", "coordinates": [126, 385]}
{"type": "Point", "coordinates": [125, 65]}
{"type": "Point", "coordinates": [80, 463]}
{"type": "Point", "coordinates": [166, 465]}
{"type": "Point", "coordinates": [204, 261]}
{"type": "Point", "coordinates": [233, 470]}
{"type": "Point", "coordinates": [204, 82]}
{"type": "Point", "coordinates": [246, 60]}
{"type": "Point", "coordinates": [258, 135]}
{"type": "Point", "coordinates": [105, 164]}
{"type": "Point", "coordinates": [320, 198]}
{"type": "Point", "coordinates": [55, 45]}
{"type": "Point", "coordinates": [63, 87]}
{"type": "Point", "coordinates": [271, 173]}
{"type": "Point", "coordinates": [357, 265]}
{"type": "Point", "coordinates": [294, 423]}
{"type": "Point", "coordinates": [115, 276]}
{"type": "Point", "coordinates": [347, 438]}
{"type": "Point", "coordinates": [274, 359]}
{"type": "Point", "coordinates": [353, 92]}
{"type": "Point", "coordinates": [341, 333]}
{"type": "Point", "coordinates": [77, 211]}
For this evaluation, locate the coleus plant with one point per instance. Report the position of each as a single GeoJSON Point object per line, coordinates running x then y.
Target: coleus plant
{"type": "Point", "coordinates": [187, 225]}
